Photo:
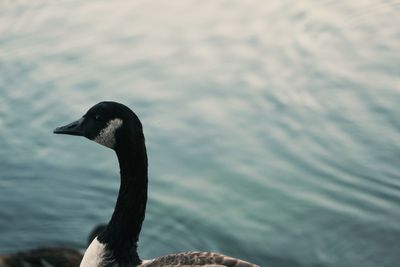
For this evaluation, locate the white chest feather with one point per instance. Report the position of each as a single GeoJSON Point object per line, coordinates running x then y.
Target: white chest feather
{"type": "Point", "coordinates": [94, 254]}
{"type": "Point", "coordinates": [106, 137]}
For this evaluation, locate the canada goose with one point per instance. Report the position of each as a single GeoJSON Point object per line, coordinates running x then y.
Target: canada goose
{"type": "Point", "coordinates": [48, 256]}
{"type": "Point", "coordinates": [116, 126]}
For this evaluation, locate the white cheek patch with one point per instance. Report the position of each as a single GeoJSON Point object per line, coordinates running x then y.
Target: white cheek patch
{"type": "Point", "coordinates": [106, 137]}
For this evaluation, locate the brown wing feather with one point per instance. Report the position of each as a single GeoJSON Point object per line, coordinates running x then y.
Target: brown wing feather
{"type": "Point", "coordinates": [197, 259]}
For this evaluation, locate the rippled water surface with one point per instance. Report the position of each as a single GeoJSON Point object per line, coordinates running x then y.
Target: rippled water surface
{"type": "Point", "coordinates": [272, 127]}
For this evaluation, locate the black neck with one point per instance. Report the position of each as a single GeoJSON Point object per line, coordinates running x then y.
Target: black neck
{"type": "Point", "coordinates": [122, 233]}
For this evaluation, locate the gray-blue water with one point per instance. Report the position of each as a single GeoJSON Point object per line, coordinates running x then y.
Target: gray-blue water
{"type": "Point", "coordinates": [273, 127]}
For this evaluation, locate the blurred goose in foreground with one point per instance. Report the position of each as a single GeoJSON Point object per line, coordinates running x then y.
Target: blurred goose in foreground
{"type": "Point", "coordinates": [48, 256]}
{"type": "Point", "coordinates": [43, 257]}
{"type": "Point", "coordinates": [117, 127]}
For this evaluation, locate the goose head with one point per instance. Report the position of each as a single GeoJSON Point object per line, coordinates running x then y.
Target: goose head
{"type": "Point", "coordinates": [106, 123]}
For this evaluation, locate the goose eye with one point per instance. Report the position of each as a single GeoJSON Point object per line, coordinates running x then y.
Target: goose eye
{"type": "Point", "coordinates": [98, 117]}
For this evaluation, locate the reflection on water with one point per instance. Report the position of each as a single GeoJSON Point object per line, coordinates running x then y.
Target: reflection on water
{"type": "Point", "coordinates": [272, 128]}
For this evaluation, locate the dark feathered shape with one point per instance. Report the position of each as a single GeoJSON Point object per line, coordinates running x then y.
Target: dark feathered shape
{"type": "Point", "coordinates": [48, 257]}
{"type": "Point", "coordinates": [43, 257]}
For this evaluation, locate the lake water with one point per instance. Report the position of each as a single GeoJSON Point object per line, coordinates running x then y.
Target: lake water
{"type": "Point", "coordinates": [273, 127]}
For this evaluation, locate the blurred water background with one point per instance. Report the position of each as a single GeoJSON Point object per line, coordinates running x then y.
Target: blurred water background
{"type": "Point", "coordinates": [272, 127]}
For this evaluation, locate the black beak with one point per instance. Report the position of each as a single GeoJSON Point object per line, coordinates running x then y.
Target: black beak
{"type": "Point", "coordinates": [74, 128]}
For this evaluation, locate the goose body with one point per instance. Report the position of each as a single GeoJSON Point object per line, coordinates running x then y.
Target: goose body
{"type": "Point", "coordinates": [117, 127]}
{"type": "Point", "coordinates": [43, 257]}
{"type": "Point", "coordinates": [48, 256]}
